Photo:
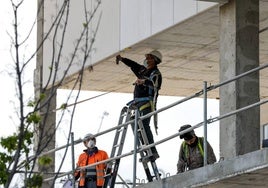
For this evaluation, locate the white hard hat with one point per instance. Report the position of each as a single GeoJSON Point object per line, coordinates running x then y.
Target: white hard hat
{"type": "Point", "coordinates": [156, 54]}
{"type": "Point", "coordinates": [89, 135]}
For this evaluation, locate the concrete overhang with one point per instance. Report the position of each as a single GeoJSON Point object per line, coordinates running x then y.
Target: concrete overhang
{"type": "Point", "coordinates": [245, 171]}
{"type": "Point", "coordinates": [190, 56]}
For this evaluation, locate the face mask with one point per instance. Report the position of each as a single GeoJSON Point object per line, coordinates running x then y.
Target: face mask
{"type": "Point", "coordinates": [145, 63]}
{"type": "Point", "coordinates": [91, 144]}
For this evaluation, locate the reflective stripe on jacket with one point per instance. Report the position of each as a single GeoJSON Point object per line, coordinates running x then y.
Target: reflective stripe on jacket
{"type": "Point", "coordinates": [199, 145]}
{"type": "Point", "coordinates": [85, 159]}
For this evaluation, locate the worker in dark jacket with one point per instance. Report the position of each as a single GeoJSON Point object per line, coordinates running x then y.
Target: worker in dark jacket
{"type": "Point", "coordinates": [191, 154]}
{"type": "Point", "coordinates": [146, 89]}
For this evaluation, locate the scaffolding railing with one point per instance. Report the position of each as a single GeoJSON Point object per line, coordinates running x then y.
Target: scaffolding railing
{"type": "Point", "coordinates": [204, 123]}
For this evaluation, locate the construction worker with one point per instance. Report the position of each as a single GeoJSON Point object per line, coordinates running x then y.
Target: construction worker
{"type": "Point", "coordinates": [146, 89]}
{"type": "Point", "coordinates": [191, 154]}
{"type": "Point", "coordinates": [91, 177]}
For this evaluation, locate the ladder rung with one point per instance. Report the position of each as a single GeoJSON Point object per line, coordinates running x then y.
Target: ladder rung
{"type": "Point", "coordinates": [117, 145]}
{"type": "Point", "coordinates": [120, 130]}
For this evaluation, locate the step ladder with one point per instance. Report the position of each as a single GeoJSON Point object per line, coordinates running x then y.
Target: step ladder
{"type": "Point", "coordinates": [119, 139]}
{"type": "Point", "coordinates": [146, 155]}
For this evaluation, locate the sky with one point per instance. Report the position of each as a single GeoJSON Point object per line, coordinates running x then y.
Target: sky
{"type": "Point", "coordinates": [7, 76]}
{"type": "Point", "coordinates": [89, 116]}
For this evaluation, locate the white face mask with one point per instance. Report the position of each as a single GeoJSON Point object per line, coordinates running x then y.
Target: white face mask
{"type": "Point", "coordinates": [145, 63]}
{"type": "Point", "coordinates": [91, 144]}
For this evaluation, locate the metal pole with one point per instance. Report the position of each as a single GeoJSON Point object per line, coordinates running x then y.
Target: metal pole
{"type": "Point", "coordinates": [73, 163]}
{"type": "Point", "coordinates": [205, 123]}
{"type": "Point", "coordinates": [102, 117]}
{"type": "Point", "coordinates": [135, 147]}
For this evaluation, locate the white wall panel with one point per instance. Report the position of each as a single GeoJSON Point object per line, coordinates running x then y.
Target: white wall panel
{"type": "Point", "coordinates": [107, 38]}
{"type": "Point", "coordinates": [184, 9]}
{"type": "Point", "coordinates": [202, 5]}
{"type": "Point", "coordinates": [162, 15]}
{"type": "Point", "coordinates": [135, 21]}
{"type": "Point", "coordinates": [105, 43]}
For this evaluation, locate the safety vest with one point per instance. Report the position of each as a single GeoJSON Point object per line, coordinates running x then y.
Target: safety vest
{"type": "Point", "coordinates": [185, 147]}
{"type": "Point", "coordinates": [85, 159]}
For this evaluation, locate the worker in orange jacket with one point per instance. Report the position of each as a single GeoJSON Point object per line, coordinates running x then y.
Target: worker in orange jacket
{"type": "Point", "coordinates": [91, 177]}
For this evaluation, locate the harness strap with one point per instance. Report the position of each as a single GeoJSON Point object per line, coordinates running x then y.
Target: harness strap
{"type": "Point", "coordinates": [146, 105]}
{"type": "Point", "coordinates": [154, 91]}
{"type": "Point", "coordinates": [186, 147]}
{"type": "Point", "coordinates": [137, 100]}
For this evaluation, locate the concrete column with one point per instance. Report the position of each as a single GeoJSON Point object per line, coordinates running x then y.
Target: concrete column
{"type": "Point", "coordinates": [45, 134]}
{"type": "Point", "coordinates": [239, 52]}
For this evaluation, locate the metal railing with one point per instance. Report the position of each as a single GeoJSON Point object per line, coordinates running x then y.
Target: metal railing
{"type": "Point", "coordinates": [203, 123]}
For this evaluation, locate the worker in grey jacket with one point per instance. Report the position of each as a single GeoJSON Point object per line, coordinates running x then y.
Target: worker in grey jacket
{"type": "Point", "coordinates": [191, 154]}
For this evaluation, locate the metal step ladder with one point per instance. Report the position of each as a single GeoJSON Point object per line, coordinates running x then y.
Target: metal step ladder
{"type": "Point", "coordinates": [146, 155]}
{"type": "Point", "coordinates": [119, 139]}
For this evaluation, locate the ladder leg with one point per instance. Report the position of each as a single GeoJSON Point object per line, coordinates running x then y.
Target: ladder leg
{"type": "Point", "coordinates": [148, 173]}
{"type": "Point", "coordinates": [147, 155]}
{"type": "Point", "coordinates": [156, 172]}
{"type": "Point", "coordinates": [117, 148]}
{"type": "Point", "coordinates": [114, 173]}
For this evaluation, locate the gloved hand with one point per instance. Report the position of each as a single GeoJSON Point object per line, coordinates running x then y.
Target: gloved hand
{"type": "Point", "coordinates": [140, 81]}
{"type": "Point", "coordinates": [118, 58]}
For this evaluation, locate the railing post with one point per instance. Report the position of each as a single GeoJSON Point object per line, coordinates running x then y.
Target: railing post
{"type": "Point", "coordinates": [205, 123]}
{"type": "Point", "coordinates": [73, 163]}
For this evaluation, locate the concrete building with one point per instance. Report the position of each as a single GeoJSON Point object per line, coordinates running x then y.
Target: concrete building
{"type": "Point", "coordinates": [213, 41]}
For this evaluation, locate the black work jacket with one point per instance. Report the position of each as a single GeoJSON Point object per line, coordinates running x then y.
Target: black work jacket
{"type": "Point", "coordinates": [153, 79]}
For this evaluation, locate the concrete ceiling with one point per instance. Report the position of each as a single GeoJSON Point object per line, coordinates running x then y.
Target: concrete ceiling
{"type": "Point", "coordinates": [190, 56]}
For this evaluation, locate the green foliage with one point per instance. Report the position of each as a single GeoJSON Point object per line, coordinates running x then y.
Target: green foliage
{"type": "Point", "coordinates": [9, 143]}
{"type": "Point", "coordinates": [31, 104]}
{"type": "Point", "coordinates": [63, 106]}
{"type": "Point", "coordinates": [33, 118]}
{"type": "Point", "coordinates": [4, 158]}
{"type": "Point", "coordinates": [45, 160]}
{"type": "Point", "coordinates": [35, 181]}
{"type": "Point", "coordinates": [28, 135]}
{"type": "Point", "coordinates": [42, 96]}
{"type": "Point", "coordinates": [85, 24]}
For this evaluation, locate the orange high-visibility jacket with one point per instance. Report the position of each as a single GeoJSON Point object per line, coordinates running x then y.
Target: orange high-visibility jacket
{"type": "Point", "coordinates": [85, 159]}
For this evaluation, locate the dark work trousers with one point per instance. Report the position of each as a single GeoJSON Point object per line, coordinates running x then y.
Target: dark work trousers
{"type": "Point", "coordinates": [90, 184]}
{"type": "Point", "coordinates": [146, 125]}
